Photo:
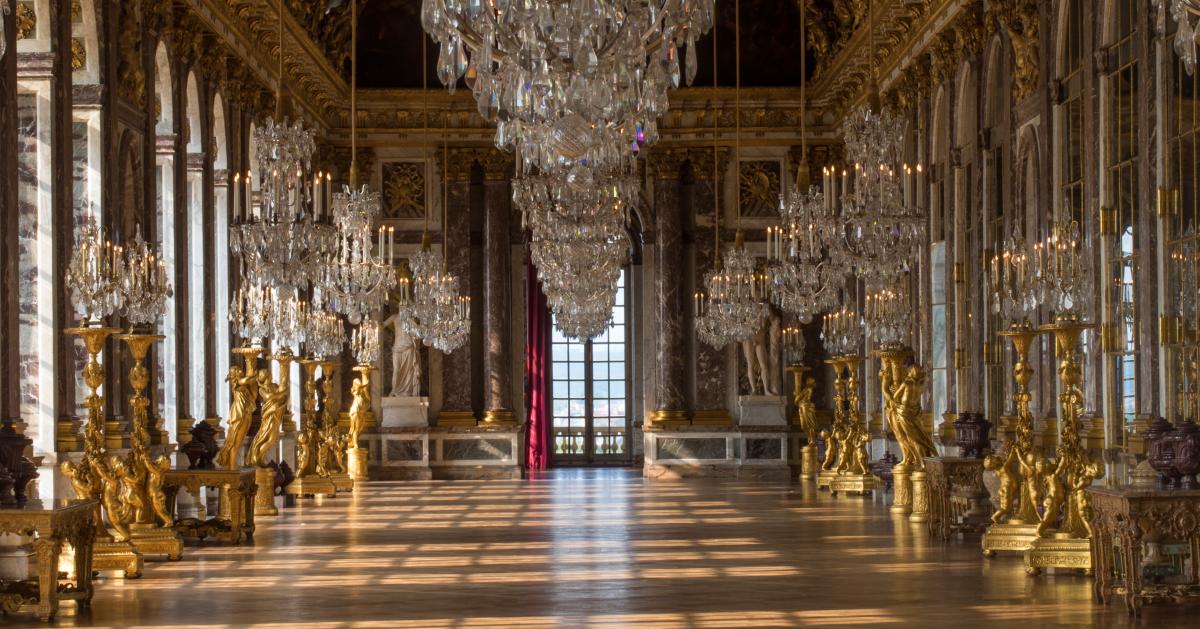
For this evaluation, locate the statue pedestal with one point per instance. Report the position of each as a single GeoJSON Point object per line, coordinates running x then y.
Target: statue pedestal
{"type": "Point", "coordinates": [762, 410]}
{"type": "Point", "coordinates": [356, 460]}
{"type": "Point", "coordinates": [404, 412]}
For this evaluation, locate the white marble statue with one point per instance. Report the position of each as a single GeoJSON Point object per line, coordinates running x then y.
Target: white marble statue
{"type": "Point", "coordinates": [761, 352]}
{"type": "Point", "coordinates": [406, 361]}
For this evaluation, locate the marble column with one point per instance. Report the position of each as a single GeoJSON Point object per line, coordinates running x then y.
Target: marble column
{"type": "Point", "coordinates": [456, 366]}
{"type": "Point", "coordinates": [10, 399]}
{"type": "Point", "coordinates": [669, 303]}
{"type": "Point", "coordinates": [497, 355]}
{"type": "Point", "coordinates": [711, 364]}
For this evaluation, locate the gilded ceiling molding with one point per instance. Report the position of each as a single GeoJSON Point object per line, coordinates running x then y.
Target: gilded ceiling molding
{"type": "Point", "coordinates": [1020, 19]}
{"type": "Point", "coordinates": [702, 161]}
{"type": "Point", "coordinates": [666, 163]}
{"type": "Point", "coordinates": [132, 76]}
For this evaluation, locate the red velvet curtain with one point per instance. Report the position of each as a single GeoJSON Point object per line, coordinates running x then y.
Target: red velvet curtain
{"type": "Point", "coordinates": [537, 372]}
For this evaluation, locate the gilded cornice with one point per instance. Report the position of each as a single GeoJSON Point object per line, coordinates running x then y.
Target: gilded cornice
{"type": "Point", "coordinates": [702, 161]}
{"type": "Point", "coordinates": [249, 29]}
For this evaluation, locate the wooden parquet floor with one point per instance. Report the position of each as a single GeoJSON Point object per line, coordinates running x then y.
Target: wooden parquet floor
{"type": "Point", "coordinates": [583, 548]}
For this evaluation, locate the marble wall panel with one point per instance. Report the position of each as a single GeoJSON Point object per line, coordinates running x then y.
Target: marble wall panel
{"type": "Point", "coordinates": [497, 269]}
{"type": "Point", "coordinates": [456, 367]}
{"type": "Point", "coordinates": [403, 449]}
{"type": "Point", "coordinates": [476, 449]}
{"type": "Point", "coordinates": [711, 365]}
{"type": "Point", "coordinates": [691, 448]}
{"type": "Point", "coordinates": [764, 449]}
{"type": "Point", "coordinates": [27, 267]}
{"type": "Point", "coordinates": [671, 346]}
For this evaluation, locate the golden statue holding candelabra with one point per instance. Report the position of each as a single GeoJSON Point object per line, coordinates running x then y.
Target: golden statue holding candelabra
{"type": "Point", "coordinates": [364, 341]}
{"type": "Point", "coordinates": [131, 515]}
{"type": "Point", "coordinates": [845, 468]}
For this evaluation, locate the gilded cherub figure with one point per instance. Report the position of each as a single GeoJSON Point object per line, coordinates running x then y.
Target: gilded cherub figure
{"type": "Point", "coordinates": [1056, 492]}
{"type": "Point", "coordinates": [1008, 486]}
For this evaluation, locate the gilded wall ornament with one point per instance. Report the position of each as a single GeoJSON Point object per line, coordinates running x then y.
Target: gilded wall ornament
{"type": "Point", "coordinates": [759, 181]}
{"type": "Point", "coordinates": [404, 190]}
{"type": "Point", "coordinates": [26, 20]}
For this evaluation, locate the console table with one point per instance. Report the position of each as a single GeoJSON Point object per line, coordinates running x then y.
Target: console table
{"type": "Point", "coordinates": [235, 517]}
{"type": "Point", "coordinates": [1145, 544]}
{"type": "Point", "coordinates": [52, 524]}
{"type": "Point", "coordinates": [957, 498]}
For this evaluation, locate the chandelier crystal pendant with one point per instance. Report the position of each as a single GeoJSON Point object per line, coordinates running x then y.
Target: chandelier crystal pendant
{"type": "Point", "coordinates": [1063, 271]}
{"type": "Point", "coordinates": [1185, 13]}
{"type": "Point", "coordinates": [324, 335]}
{"type": "Point", "coordinates": [1013, 281]}
{"type": "Point", "coordinates": [250, 313]}
{"type": "Point", "coordinates": [842, 332]}
{"type": "Point", "coordinates": [568, 80]}
{"type": "Point", "coordinates": [364, 342]}
{"type": "Point", "coordinates": [287, 238]}
{"type": "Point", "coordinates": [889, 315]}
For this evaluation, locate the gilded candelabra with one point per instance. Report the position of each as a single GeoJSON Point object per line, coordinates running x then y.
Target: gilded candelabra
{"type": "Point", "coordinates": [96, 475]}
{"type": "Point", "coordinates": [837, 431]}
{"type": "Point", "coordinates": [312, 475]}
{"type": "Point", "coordinates": [1015, 520]}
{"type": "Point", "coordinates": [806, 418]}
{"type": "Point", "coordinates": [853, 474]}
{"type": "Point", "coordinates": [333, 440]}
{"type": "Point", "coordinates": [1064, 532]}
{"type": "Point", "coordinates": [150, 521]}
{"type": "Point", "coordinates": [902, 382]}
{"type": "Point", "coordinates": [274, 397]}
{"type": "Point", "coordinates": [360, 412]}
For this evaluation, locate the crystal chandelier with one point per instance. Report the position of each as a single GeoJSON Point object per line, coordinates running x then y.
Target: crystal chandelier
{"type": "Point", "coordinates": [250, 313]}
{"type": "Point", "coordinates": [324, 335]}
{"type": "Point", "coordinates": [94, 275]}
{"type": "Point", "coordinates": [733, 306]}
{"type": "Point", "coordinates": [354, 281]}
{"type": "Point", "coordinates": [364, 342]}
{"type": "Point", "coordinates": [804, 281]}
{"type": "Point", "coordinates": [568, 81]}
{"type": "Point", "coordinates": [578, 242]}
{"type": "Point", "coordinates": [1063, 271]}
{"type": "Point", "coordinates": [288, 237]}
{"type": "Point", "coordinates": [1013, 283]}
{"type": "Point", "coordinates": [889, 314]}
{"type": "Point", "coordinates": [1185, 36]}
{"type": "Point", "coordinates": [289, 319]}
{"type": "Point", "coordinates": [144, 285]}
{"type": "Point", "coordinates": [435, 311]}
{"type": "Point", "coordinates": [842, 332]}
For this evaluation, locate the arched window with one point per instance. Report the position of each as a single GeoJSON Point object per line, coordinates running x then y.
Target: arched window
{"type": "Point", "coordinates": [164, 178]}
{"type": "Point", "coordinates": [196, 326]}
{"type": "Point", "coordinates": [940, 197]}
{"type": "Point", "coordinates": [221, 197]}
{"type": "Point", "coordinates": [1120, 105]}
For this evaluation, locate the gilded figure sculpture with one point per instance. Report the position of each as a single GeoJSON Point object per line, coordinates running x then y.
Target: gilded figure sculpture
{"type": "Point", "coordinates": [1056, 492]}
{"type": "Point", "coordinates": [274, 398]}
{"type": "Point", "coordinates": [915, 442]}
{"type": "Point", "coordinates": [155, 471]}
{"type": "Point", "coordinates": [806, 410]}
{"type": "Point", "coordinates": [360, 405]}
{"type": "Point", "coordinates": [112, 483]}
{"type": "Point", "coordinates": [241, 412]}
{"type": "Point", "coordinates": [1008, 486]}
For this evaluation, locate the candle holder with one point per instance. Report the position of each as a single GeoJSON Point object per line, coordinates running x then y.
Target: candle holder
{"type": "Point", "coordinates": [275, 398]}
{"type": "Point", "coordinates": [312, 475]}
{"type": "Point", "coordinates": [806, 419]}
{"type": "Point", "coordinates": [853, 472]}
{"type": "Point", "coordinates": [837, 431]}
{"type": "Point", "coordinates": [361, 416]}
{"type": "Point", "coordinates": [334, 443]}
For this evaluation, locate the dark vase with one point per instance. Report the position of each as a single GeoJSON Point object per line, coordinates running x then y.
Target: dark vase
{"type": "Point", "coordinates": [1185, 444]}
{"type": "Point", "coordinates": [883, 468]}
{"type": "Point", "coordinates": [1158, 450]}
{"type": "Point", "coordinates": [15, 469]}
{"type": "Point", "coordinates": [972, 435]}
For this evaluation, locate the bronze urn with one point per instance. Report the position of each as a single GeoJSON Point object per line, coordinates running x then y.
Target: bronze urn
{"type": "Point", "coordinates": [972, 435]}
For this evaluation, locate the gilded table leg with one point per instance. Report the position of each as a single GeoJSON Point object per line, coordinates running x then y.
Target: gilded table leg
{"type": "Point", "coordinates": [47, 550]}
{"type": "Point", "coordinates": [234, 502]}
{"type": "Point", "coordinates": [83, 570]}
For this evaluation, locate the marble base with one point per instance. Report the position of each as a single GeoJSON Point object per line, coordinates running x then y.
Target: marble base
{"type": "Point", "coordinates": [402, 473]}
{"type": "Point", "coordinates": [156, 540]}
{"type": "Point", "coordinates": [762, 410]}
{"type": "Point", "coordinates": [709, 452]}
{"type": "Point", "coordinates": [398, 412]}
{"type": "Point", "coordinates": [857, 484]}
{"type": "Point", "coordinates": [356, 461]}
{"type": "Point", "coordinates": [342, 483]}
{"type": "Point", "coordinates": [310, 486]}
{"type": "Point", "coordinates": [475, 452]}
{"type": "Point", "coordinates": [394, 454]}
{"type": "Point", "coordinates": [120, 556]}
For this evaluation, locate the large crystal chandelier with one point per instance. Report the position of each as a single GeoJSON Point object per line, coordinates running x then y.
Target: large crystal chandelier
{"type": "Point", "coordinates": [286, 238]}
{"type": "Point", "coordinates": [577, 221]}
{"type": "Point", "coordinates": [568, 80]}
{"type": "Point", "coordinates": [354, 281]}
{"type": "Point", "coordinates": [804, 281]}
{"type": "Point", "coordinates": [733, 306]}
{"type": "Point", "coordinates": [435, 311]}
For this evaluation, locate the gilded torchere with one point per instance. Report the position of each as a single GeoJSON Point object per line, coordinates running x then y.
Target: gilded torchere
{"type": "Point", "coordinates": [312, 477]}
{"type": "Point", "coordinates": [333, 440]}
{"type": "Point", "coordinates": [1064, 537]}
{"type": "Point", "coordinates": [902, 389]}
{"type": "Point", "coordinates": [98, 476]}
{"type": "Point", "coordinates": [243, 383]}
{"type": "Point", "coordinates": [806, 418]}
{"type": "Point", "coordinates": [150, 522]}
{"type": "Point", "coordinates": [836, 433]}
{"type": "Point", "coordinates": [360, 410]}
{"type": "Point", "coordinates": [853, 474]}
{"type": "Point", "coordinates": [274, 397]}
{"type": "Point", "coordinates": [1015, 521]}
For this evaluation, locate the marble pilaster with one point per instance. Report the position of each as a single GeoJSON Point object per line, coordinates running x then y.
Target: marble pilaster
{"type": "Point", "coordinates": [711, 364]}
{"type": "Point", "coordinates": [497, 301]}
{"type": "Point", "coordinates": [669, 303]}
{"type": "Point", "coordinates": [456, 366]}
